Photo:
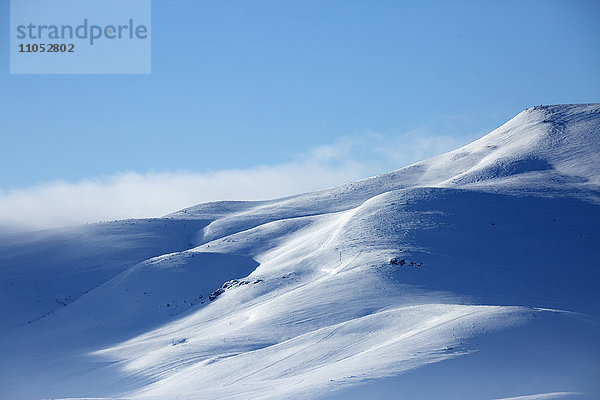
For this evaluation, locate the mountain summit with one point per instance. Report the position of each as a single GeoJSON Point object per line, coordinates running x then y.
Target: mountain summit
{"type": "Point", "coordinates": [470, 275]}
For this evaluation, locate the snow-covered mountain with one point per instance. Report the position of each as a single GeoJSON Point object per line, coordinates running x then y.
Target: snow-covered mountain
{"type": "Point", "coordinates": [471, 275]}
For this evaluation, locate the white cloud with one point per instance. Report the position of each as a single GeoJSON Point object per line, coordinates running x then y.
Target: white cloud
{"type": "Point", "coordinates": [138, 195]}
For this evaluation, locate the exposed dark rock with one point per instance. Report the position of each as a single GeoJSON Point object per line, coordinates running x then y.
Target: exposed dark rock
{"type": "Point", "coordinates": [216, 294]}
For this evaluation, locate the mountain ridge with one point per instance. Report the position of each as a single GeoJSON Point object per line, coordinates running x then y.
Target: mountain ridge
{"type": "Point", "coordinates": [305, 296]}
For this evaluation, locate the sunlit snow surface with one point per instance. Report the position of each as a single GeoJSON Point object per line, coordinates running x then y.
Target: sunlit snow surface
{"type": "Point", "coordinates": [493, 292]}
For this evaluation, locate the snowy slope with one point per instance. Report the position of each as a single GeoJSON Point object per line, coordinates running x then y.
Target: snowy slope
{"type": "Point", "coordinates": [496, 270]}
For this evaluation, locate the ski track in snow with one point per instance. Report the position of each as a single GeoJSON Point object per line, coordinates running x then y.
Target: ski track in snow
{"type": "Point", "coordinates": [542, 396]}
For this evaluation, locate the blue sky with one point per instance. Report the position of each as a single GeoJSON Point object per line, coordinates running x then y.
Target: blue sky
{"type": "Point", "coordinates": [256, 85]}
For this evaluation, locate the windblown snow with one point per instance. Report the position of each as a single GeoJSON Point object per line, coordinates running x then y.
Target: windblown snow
{"type": "Point", "coordinates": [473, 274]}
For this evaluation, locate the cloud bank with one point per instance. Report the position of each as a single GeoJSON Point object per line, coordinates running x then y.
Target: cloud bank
{"type": "Point", "coordinates": [153, 194]}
